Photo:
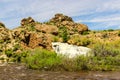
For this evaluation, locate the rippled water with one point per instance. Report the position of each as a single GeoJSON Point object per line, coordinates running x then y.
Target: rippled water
{"type": "Point", "coordinates": [20, 72]}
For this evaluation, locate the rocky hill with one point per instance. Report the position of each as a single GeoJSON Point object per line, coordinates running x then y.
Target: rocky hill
{"type": "Point", "coordinates": [31, 34]}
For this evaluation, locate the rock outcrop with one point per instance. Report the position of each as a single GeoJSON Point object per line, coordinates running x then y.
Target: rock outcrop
{"type": "Point", "coordinates": [49, 29]}
{"type": "Point", "coordinates": [70, 51]}
{"type": "Point", "coordinates": [5, 37]}
{"type": "Point", "coordinates": [26, 21]}
{"type": "Point", "coordinates": [39, 40]}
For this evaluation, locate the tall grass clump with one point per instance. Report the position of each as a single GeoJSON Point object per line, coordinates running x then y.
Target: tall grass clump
{"type": "Point", "coordinates": [42, 59]}
{"type": "Point", "coordinates": [104, 50]}
{"type": "Point", "coordinates": [79, 41]}
{"type": "Point", "coordinates": [75, 64]}
{"type": "Point", "coordinates": [106, 57]}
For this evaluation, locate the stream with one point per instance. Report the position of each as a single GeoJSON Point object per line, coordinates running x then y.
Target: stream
{"type": "Point", "coordinates": [20, 72]}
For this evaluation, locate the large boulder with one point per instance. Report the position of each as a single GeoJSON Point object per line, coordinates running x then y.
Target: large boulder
{"type": "Point", "coordinates": [2, 25]}
{"type": "Point", "coordinates": [49, 29]}
{"type": "Point", "coordinates": [70, 51]}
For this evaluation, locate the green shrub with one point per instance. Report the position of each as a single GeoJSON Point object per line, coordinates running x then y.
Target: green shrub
{"type": "Point", "coordinates": [106, 56]}
{"type": "Point", "coordinates": [46, 60]}
{"type": "Point", "coordinates": [55, 39]}
{"type": "Point", "coordinates": [15, 56]}
{"type": "Point", "coordinates": [82, 63]}
{"type": "Point", "coordinates": [104, 63]}
{"type": "Point", "coordinates": [110, 30]}
{"type": "Point", "coordinates": [16, 47]}
{"type": "Point", "coordinates": [103, 50]}
{"type": "Point", "coordinates": [63, 33]}
{"type": "Point", "coordinates": [80, 41]}
{"type": "Point", "coordinates": [42, 59]}
{"type": "Point", "coordinates": [19, 57]}
{"type": "Point", "coordinates": [85, 42]}
{"type": "Point", "coordinates": [74, 64]}
{"type": "Point", "coordinates": [9, 52]}
{"type": "Point", "coordinates": [1, 41]}
{"type": "Point", "coordinates": [85, 32]}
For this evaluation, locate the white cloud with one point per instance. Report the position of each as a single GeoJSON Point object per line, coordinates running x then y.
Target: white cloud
{"type": "Point", "coordinates": [41, 10]}
{"type": "Point", "coordinates": [109, 5]}
{"type": "Point", "coordinates": [101, 20]}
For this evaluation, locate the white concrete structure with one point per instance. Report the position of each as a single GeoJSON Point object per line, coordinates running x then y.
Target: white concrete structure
{"type": "Point", "coordinates": [69, 50]}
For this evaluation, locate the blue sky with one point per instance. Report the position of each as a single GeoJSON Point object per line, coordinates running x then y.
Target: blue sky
{"type": "Point", "coordinates": [97, 14]}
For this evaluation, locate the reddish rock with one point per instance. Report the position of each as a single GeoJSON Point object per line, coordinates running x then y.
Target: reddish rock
{"type": "Point", "coordinates": [40, 40]}
{"type": "Point", "coordinates": [49, 29]}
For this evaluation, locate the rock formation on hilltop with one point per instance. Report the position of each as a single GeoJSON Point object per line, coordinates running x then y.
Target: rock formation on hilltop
{"type": "Point", "coordinates": [58, 18]}
{"type": "Point", "coordinates": [62, 20]}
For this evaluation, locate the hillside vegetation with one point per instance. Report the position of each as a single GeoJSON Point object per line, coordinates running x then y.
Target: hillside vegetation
{"type": "Point", "coordinates": [31, 43]}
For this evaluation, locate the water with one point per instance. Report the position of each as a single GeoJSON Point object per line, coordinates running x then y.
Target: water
{"type": "Point", "coordinates": [20, 72]}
